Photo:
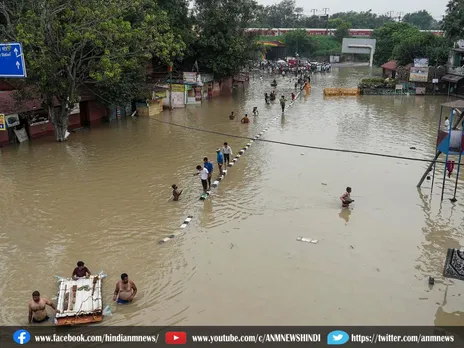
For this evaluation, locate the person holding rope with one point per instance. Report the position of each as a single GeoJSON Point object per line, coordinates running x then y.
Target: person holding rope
{"type": "Point", "coordinates": [227, 151]}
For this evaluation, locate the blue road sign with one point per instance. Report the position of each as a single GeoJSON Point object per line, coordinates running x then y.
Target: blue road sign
{"type": "Point", "coordinates": [12, 60]}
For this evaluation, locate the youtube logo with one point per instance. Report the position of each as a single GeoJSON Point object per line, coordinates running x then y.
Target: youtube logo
{"type": "Point", "coordinates": [172, 337]}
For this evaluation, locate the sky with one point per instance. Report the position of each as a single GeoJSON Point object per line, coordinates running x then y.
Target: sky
{"type": "Point", "coordinates": [436, 8]}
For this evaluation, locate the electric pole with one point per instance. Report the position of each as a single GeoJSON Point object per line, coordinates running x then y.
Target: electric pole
{"type": "Point", "coordinates": [314, 11]}
{"type": "Point", "coordinates": [326, 9]}
{"type": "Point", "coordinates": [390, 14]}
{"type": "Point", "coordinates": [400, 14]}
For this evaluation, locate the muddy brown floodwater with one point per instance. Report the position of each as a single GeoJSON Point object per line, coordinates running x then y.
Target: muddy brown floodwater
{"type": "Point", "coordinates": [104, 198]}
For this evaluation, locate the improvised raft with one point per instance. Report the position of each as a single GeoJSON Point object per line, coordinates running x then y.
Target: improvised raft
{"type": "Point", "coordinates": [80, 301]}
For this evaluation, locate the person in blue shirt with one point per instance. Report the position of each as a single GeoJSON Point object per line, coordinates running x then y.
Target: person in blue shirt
{"type": "Point", "coordinates": [208, 165]}
{"type": "Point", "coordinates": [220, 160]}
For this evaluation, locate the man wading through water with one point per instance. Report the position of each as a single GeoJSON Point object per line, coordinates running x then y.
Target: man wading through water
{"type": "Point", "coordinates": [37, 308]}
{"type": "Point", "coordinates": [282, 103]}
{"type": "Point", "coordinates": [208, 165]}
{"type": "Point", "coordinates": [203, 172]}
{"type": "Point", "coordinates": [125, 290]}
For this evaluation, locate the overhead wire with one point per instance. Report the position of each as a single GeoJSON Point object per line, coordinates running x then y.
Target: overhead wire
{"type": "Point", "coordinates": [312, 147]}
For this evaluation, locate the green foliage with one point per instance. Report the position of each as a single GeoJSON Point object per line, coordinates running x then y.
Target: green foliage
{"type": "Point", "coordinates": [282, 15]}
{"type": "Point", "coordinates": [377, 82]}
{"type": "Point", "coordinates": [363, 19]}
{"type": "Point", "coordinates": [285, 14]}
{"type": "Point", "coordinates": [421, 45]}
{"type": "Point", "coordinates": [453, 22]}
{"type": "Point", "coordinates": [325, 46]}
{"type": "Point", "coordinates": [180, 20]}
{"type": "Point", "coordinates": [343, 30]}
{"type": "Point", "coordinates": [420, 19]}
{"type": "Point", "coordinates": [403, 42]}
{"type": "Point", "coordinates": [222, 46]}
{"type": "Point", "coordinates": [71, 44]}
{"type": "Point", "coordinates": [298, 41]}
{"type": "Point", "coordinates": [388, 36]}
{"type": "Point", "coordinates": [319, 45]}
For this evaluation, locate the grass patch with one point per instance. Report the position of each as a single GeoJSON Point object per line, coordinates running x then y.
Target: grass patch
{"type": "Point", "coordinates": [321, 45]}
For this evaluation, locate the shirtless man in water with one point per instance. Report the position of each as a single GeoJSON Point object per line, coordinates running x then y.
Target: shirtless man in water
{"type": "Point", "coordinates": [125, 290]}
{"type": "Point", "coordinates": [37, 308]}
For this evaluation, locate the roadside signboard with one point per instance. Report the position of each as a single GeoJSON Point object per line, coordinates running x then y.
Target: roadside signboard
{"type": "Point", "coordinates": [2, 122]}
{"type": "Point", "coordinates": [421, 62]}
{"type": "Point", "coordinates": [12, 60]}
{"type": "Point", "coordinates": [417, 74]}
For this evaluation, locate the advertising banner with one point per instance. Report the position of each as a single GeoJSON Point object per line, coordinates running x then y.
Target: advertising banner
{"type": "Point", "coordinates": [12, 120]}
{"type": "Point", "coordinates": [178, 88]}
{"type": "Point", "coordinates": [417, 74]}
{"type": "Point", "coordinates": [37, 119]}
{"type": "Point", "coordinates": [421, 62]}
{"type": "Point", "coordinates": [190, 77]}
{"type": "Point", "coordinates": [2, 122]}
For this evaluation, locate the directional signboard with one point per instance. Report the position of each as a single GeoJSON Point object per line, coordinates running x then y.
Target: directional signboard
{"type": "Point", "coordinates": [12, 61]}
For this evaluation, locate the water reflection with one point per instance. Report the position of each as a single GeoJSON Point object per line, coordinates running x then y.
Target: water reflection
{"type": "Point", "coordinates": [345, 214]}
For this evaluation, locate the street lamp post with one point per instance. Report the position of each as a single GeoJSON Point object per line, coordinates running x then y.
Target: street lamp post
{"type": "Point", "coordinates": [170, 86]}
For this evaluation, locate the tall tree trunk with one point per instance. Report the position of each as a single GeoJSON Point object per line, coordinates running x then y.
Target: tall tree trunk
{"type": "Point", "coordinates": [60, 121]}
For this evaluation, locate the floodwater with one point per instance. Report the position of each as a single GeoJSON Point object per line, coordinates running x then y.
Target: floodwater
{"type": "Point", "coordinates": [104, 198]}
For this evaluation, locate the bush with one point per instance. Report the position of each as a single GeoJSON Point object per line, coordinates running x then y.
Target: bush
{"type": "Point", "coordinates": [378, 82]}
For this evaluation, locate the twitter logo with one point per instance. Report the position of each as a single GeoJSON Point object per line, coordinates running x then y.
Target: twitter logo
{"type": "Point", "coordinates": [337, 337]}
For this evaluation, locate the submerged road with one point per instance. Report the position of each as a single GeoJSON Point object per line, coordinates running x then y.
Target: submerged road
{"type": "Point", "coordinates": [104, 198]}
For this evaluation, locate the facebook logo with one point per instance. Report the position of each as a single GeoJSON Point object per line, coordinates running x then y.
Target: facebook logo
{"type": "Point", "coordinates": [21, 337]}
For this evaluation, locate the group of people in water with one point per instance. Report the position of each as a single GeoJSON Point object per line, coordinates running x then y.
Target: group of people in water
{"type": "Point", "coordinates": [124, 293]}
{"type": "Point", "coordinates": [245, 119]}
{"type": "Point", "coordinates": [205, 172]}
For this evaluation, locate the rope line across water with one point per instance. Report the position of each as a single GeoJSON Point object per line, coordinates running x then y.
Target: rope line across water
{"type": "Point", "coordinates": [225, 171]}
{"type": "Point", "coordinates": [376, 154]}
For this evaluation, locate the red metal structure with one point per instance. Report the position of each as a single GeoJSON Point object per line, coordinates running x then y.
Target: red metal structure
{"type": "Point", "coordinates": [319, 31]}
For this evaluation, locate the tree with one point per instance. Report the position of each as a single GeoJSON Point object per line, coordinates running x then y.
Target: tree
{"type": "Point", "coordinates": [421, 19]}
{"type": "Point", "coordinates": [283, 14]}
{"type": "Point", "coordinates": [222, 45]}
{"type": "Point", "coordinates": [453, 22]}
{"type": "Point", "coordinates": [388, 36]}
{"type": "Point", "coordinates": [286, 15]}
{"type": "Point", "coordinates": [71, 43]}
{"type": "Point", "coordinates": [181, 23]}
{"type": "Point", "coordinates": [261, 17]}
{"type": "Point", "coordinates": [421, 45]}
{"type": "Point", "coordinates": [298, 41]}
{"type": "Point", "coordinates": [343, 30]}
{"type": "Point", "coordinates": [362, 20]}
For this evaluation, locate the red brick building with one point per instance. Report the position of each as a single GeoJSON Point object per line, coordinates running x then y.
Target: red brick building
{"type": "Point", "coordinates": [34, 119]}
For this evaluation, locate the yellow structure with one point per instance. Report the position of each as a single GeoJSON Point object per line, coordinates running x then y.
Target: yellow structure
{"type": "Point", "coordinates": [338, 92]}
{"type": "Point", "coordinates": [155, 107]}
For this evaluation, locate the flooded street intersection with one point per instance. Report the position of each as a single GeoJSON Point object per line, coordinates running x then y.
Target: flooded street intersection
{"type": "Point", "coordinates": [104, 198]}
